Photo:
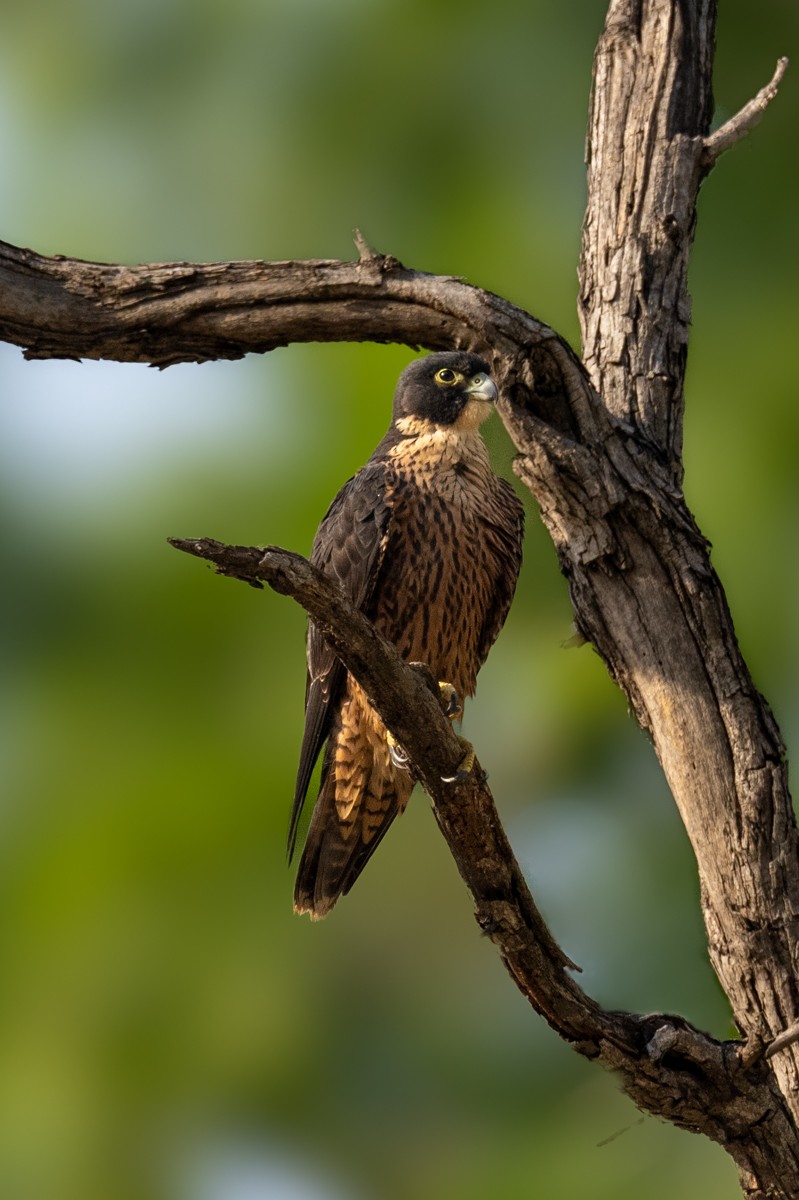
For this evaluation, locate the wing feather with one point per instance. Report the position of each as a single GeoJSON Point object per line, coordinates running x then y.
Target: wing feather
{"type": "Point", "coordinates": [506, 533]}
{"type": "Point", "coordinates": [348, 546]}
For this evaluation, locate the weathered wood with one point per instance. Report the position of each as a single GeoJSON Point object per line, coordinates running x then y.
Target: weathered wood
{"type": "Point", "coordinates": [607, 474]}
{"type": "Point", "coordinates": [669, 1068]}
{"type": "Point", "coordinates": [166, 313]}
{"type": "Point", "coordinates": [663, 627]}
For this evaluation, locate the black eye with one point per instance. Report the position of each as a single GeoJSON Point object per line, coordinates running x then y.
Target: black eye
{"type": "Point", "coordinates": [445, 375]}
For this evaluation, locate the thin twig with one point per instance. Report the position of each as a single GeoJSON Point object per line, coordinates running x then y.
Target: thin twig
{"type": "Point", "coordinates": [732, 131]}
{"type": "Point", "coordinates": [365, 252]}
{"type": "Point", "coordinates": [786, 1038]}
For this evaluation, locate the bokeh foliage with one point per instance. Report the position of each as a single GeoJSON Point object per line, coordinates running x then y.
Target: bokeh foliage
{"type": "Point", "coordinates": [167, 1027]}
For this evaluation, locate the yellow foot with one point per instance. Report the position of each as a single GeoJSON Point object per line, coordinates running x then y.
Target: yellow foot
{"type": "Point", "coordinates": [464, 766]}
{"type": "Point", "coordinates": [395, 751]}
{"type": "Point", "coordinates": [450, 700]}
{"type": "Point", "coordinates": [453, 708]}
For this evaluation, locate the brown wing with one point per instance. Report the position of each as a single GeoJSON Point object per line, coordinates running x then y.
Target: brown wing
{"type": "Point", "coordinates": [348, 546]}
{"type": "Point", "coordinates": [505, 532]}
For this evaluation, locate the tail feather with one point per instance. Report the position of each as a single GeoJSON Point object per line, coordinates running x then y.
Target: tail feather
{"type": "Point", "coordinates": [352, 815]}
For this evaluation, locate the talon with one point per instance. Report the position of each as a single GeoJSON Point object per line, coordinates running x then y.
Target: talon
{"type": "Point", "coordinates": [465, 766]}
{"type": "Point", "coordinates": [451, 700]}
{"type": "Point", "coordinates": [395, 751]}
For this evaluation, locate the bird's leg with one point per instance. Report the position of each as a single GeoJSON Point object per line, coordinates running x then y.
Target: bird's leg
{"type": "Point", "coordinates": [450, 700]}
{"type": "Point", "coordinates": [398, 756]}
{"type": "Point", "coordinates": [465, 765]}
{"type": "Point", "coordinates": [453, 707]}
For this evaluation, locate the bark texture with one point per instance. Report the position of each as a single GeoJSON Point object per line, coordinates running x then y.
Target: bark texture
{"type": "Point", "coordinates": [669, 1068]}
{"type": "Point", "coordinates": [600, 449]}
{"type": "Point", "coordinates": [714, 735]}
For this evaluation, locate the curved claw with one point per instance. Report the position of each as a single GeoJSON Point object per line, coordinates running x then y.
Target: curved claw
{"type": "Point", "coordinates": [465, 766]}
{"type": "Point", "coordinates": [453, 708]}
{"type": "Point", "coordinates": [395, 751]}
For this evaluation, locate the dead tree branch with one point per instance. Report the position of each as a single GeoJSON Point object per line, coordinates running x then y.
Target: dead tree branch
{"type": "Point", "coordinates": [732, 131]}
{"type": "Point", "coordinates": [638, 569]}
{"type": "Point", "coordinates": [181, 312]}
{"type": "Point", "coordinates": [670, 642]}
{"type": "Point", "coordinates": [669, 1068]}
{"type": "Point", "coordinates": [607, 474]}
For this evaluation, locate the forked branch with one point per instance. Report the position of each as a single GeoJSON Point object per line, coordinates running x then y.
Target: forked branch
{"type": "Point", "coordinates": [658, 1056]}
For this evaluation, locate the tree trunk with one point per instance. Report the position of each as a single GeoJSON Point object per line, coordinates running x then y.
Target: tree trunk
{"type": "Point", "coordinates": [714, 735]}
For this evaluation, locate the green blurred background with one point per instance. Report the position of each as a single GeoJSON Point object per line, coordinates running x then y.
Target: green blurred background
{"type": "Point", "coordinates": [168, 1029]}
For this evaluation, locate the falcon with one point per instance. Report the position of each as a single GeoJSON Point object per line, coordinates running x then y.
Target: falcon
{"type": "Point", "coordinates": [426, 540]}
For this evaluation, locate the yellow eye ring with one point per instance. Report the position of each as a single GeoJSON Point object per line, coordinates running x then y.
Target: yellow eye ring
{"type": "Point", "coordinates": [445, 375]}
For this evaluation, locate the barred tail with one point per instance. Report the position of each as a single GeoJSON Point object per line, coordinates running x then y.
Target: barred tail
{"type": "Point", "coordinates": [360, 795]}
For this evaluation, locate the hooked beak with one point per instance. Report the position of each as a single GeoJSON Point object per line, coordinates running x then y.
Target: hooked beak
{"type": "Point", "coordinates": [482, 387]}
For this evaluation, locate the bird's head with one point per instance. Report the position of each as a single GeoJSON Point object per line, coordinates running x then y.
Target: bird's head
{"type": "Point", "coordinates": [454, 389]}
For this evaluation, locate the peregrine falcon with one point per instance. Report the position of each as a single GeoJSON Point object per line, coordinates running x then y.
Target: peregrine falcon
{"type": "Point", "coordinates": [426, 540]}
